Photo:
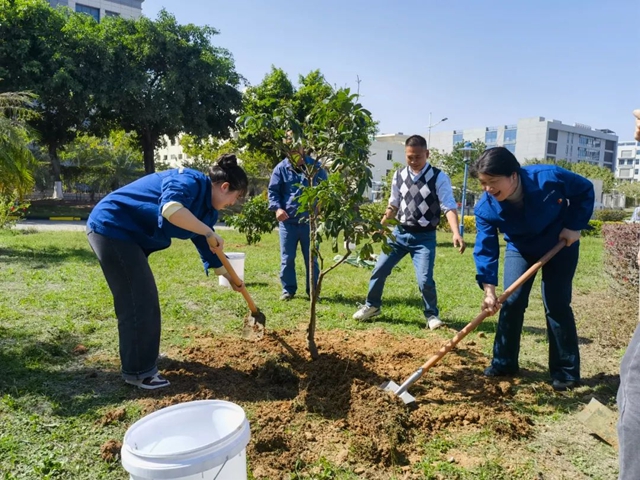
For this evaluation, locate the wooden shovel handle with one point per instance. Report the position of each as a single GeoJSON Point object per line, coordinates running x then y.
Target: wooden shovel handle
{"type": "Point", "coordinates": [471, 326]}
{"type": "Point", "coordinates": [236, 280]}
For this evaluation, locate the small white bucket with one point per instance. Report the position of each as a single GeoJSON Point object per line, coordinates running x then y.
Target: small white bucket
{"type": "Point", "coordinates": [200, 440]}
{"type": "Point", "coordinates": [236, 259]}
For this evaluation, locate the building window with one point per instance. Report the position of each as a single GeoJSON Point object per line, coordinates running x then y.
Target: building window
{"type": "Point", "coordinates": [551, 148]}
{"type": "Point", "coordinates": [173, 142]}
{"type": "Point", "coordinates": [621, 161]}
{"type": "Point", "coordinates": [626, 153]}
{"type": "Point", "coordinates": [553, 134]}
{"type": "Point", "coordinates": [457, 138]}
{"type": "Point", "coordinates": [107, 13]}
{"type": "Point", "coordinates": [609, 145]}
{"type": "Point", "coordinates": [165, 157]}
{"type": "Point", "coordinates": [511, 147]}
{"type": "Point", "coordinates": [608, 157]}
{"type": "Point", "coordinates": [389, 155]}
{"type": "Point", "coordinates": [635, 172]}
{"type": "Point", "coordinates": [491, 138]}
{"type": "Point", "coordinates": [179, 156]}
{"type": "Point", "coordinates": [510, 136]}
{"type": "Point", "coordinates": [94, 12]}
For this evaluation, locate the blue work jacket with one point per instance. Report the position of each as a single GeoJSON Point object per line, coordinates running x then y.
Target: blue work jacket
{"type": "Point", "coordinates": [285, 186]}
{"type": "Point", "coordinates": [554, 199]}
{"type": "Point", "coordinates": [134, 212]}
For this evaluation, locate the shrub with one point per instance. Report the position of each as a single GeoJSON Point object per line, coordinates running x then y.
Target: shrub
{"type": "Point", "coordinates": [621, 243]}
{"type": "Point", "coordinates": [610, 215]}
{"type": "Point", "coordinates": [596, 229]}
{"type": "Point", "coordinates": [255, 219]}
{"type": "Point", "coordinates": [469, 224]}
{"type": "Point", "coordinates": [11, 210]}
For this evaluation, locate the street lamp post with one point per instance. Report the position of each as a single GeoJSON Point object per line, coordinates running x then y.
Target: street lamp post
{"type": "Point", "coordinates": [433, 125]}
{"type": "Point", "coordinates": [467, 158]}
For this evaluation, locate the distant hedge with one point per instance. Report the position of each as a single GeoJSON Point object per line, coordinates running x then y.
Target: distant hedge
{"type": "Point", "coordinates": [621, 244]}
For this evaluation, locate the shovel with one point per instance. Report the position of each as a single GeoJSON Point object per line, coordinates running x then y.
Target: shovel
{"type": "Point", "coordinates": [253, 328]}
{"type": "Point", "coordinates": [401, 391]}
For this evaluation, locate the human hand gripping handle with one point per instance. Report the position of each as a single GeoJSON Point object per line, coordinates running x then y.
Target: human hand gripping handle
{"type": "Point", "coordinates": [491, 304]}
{"type": "Point", "coordinates": [216, 243]}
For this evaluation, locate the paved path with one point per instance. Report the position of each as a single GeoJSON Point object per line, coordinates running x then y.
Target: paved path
{"type": "Point", "coordinates": [51, 225]}
{"type": "Point", "coordinates": [64, 225]}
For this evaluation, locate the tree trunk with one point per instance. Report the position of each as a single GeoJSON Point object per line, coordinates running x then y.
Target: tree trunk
{"type": "Point", "coordinates": [55, 168]}
{"type": "Point", "coordinates": [313, 291]}
{"type": "Point", "coordinates": [148, 146]}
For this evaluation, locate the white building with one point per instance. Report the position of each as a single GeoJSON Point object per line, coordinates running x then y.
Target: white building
{"type": "Point", "coordinates": [171, 152]}
{"type": "Point", "coordinates": [100, 9]}
{"type": "Point", "coordinates": [540, 138]}
{"type": "Point", "coordinates": [628, 161]}
{"type": "Point", "coordinates": [384, 151]}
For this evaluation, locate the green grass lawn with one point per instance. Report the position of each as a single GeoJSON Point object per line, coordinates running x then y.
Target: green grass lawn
{"type": "Point", "coordinates": [55, 298]}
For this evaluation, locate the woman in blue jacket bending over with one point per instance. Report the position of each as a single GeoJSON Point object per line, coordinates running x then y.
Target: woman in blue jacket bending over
{"type": "Point", "coordinates": [534, 207]}
{"type": "Point", "coordinates": [141, 218]}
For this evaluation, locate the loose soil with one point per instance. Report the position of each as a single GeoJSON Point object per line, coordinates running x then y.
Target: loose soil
{"type": "Point", "coordinates": [301, 410]}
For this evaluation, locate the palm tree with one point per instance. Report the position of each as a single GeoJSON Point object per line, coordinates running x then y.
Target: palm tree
{"type": "Point", "coordinates": [16, 160]}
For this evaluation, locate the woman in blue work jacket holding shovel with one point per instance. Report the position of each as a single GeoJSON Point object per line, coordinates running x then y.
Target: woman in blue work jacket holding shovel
{"type": "Point", "coordinates": [141, 218]}
{"type": "Point", "coordinates": [534, 207]}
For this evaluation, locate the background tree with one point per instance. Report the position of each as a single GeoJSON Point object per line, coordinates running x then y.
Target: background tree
{"type": "Point", "coordinates": [56, 55]}
{"type": "Point", "coordinates": [275, 92]}
{"type": "Point", "coordinates": [630, 190]}
{"type": "Point", "coordinates": [338, 131]}
{"type": "Point", "coordinates": [205, 151]}
{"type": "Point", "coordinates": [167, 78]}
{"type": "Point", "coordinates": [92, 164]}
{"type": "Point", "coordinates": [585, 169]}
{"type": "Point", "coordinates": [453, 165]}
{"type": "Point", "coordinates": [16, 160]}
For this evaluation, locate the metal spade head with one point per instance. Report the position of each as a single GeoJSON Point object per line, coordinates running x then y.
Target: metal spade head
{"type": "Point", "coordinates": [253, 328]}
{"type": "Point", "coordinates": [391, 386]}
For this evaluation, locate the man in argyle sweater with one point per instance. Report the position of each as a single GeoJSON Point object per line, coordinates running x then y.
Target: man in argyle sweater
{"type": "Point", "coordinates": [420, 193]}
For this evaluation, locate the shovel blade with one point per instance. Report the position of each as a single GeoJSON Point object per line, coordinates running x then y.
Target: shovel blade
{"type": "Point", "coordinates": [253, 328]}
{"type": "Point", "coordinates": [391, 386]}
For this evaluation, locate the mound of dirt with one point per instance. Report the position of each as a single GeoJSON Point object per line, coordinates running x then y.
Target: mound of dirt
{"type": "Point", "coordinates": [301, 410]}
{"type": "Point", "coordinates": [110, 451]}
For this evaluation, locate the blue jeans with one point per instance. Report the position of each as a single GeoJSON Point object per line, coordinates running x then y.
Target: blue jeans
{"type": "Point", "coordinates": [290, 235]}
{"type": "Point", "coordinates": [557, 277]}
{"type": "Point", "coordinates": [422, 248]}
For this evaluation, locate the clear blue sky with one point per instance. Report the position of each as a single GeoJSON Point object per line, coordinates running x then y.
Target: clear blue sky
{"type": "Point", "coordinates": [477, 62]}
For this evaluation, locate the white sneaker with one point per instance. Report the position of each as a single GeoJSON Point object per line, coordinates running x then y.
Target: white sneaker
{"type": "Point", "coordinates": [434, 322]}
{"type": "Point", "coordinates": [366, 312]}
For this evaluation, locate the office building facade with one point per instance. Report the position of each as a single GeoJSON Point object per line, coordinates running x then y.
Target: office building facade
{"type": "Point", "coordinates": [539, 138]}
{"type": "Point", "coordinates": [628, 161]}
{"type": "Point", "coordinates": [100, 9]}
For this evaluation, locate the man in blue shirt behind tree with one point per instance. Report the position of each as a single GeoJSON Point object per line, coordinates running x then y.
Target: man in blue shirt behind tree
{"type": "Point", "coordinates": [285, 186]}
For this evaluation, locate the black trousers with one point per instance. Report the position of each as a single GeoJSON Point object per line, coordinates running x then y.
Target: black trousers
{"type": "Point", "coordinates": [135, 298]}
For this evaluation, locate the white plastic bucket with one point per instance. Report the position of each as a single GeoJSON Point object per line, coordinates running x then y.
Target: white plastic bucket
{"type": "Point", "coordinates": [203, 440]}
{"type": "Point", "coordinates": [236, 259]}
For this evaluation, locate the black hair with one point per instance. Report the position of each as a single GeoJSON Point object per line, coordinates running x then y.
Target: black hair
{"type": "Point", "coordinates": [415, 141]}
{"type": "Point", "coordinates": [226, 169]}
{"type": "Point", "coordinates": [496, 162]}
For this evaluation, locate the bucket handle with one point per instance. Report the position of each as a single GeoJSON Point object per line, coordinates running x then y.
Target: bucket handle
{"type": "Point", "coordinates": [221, 468]}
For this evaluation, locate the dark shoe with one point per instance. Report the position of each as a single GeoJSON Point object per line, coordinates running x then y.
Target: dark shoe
{"type": "Point", "coordinates": [150, 383]}
{"type": "Point", "coordinates": [564, 385]}
{"type": "Point", "coordinates": [286, 296]}
{"type": "Point", "coordinates": [494, 372]}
